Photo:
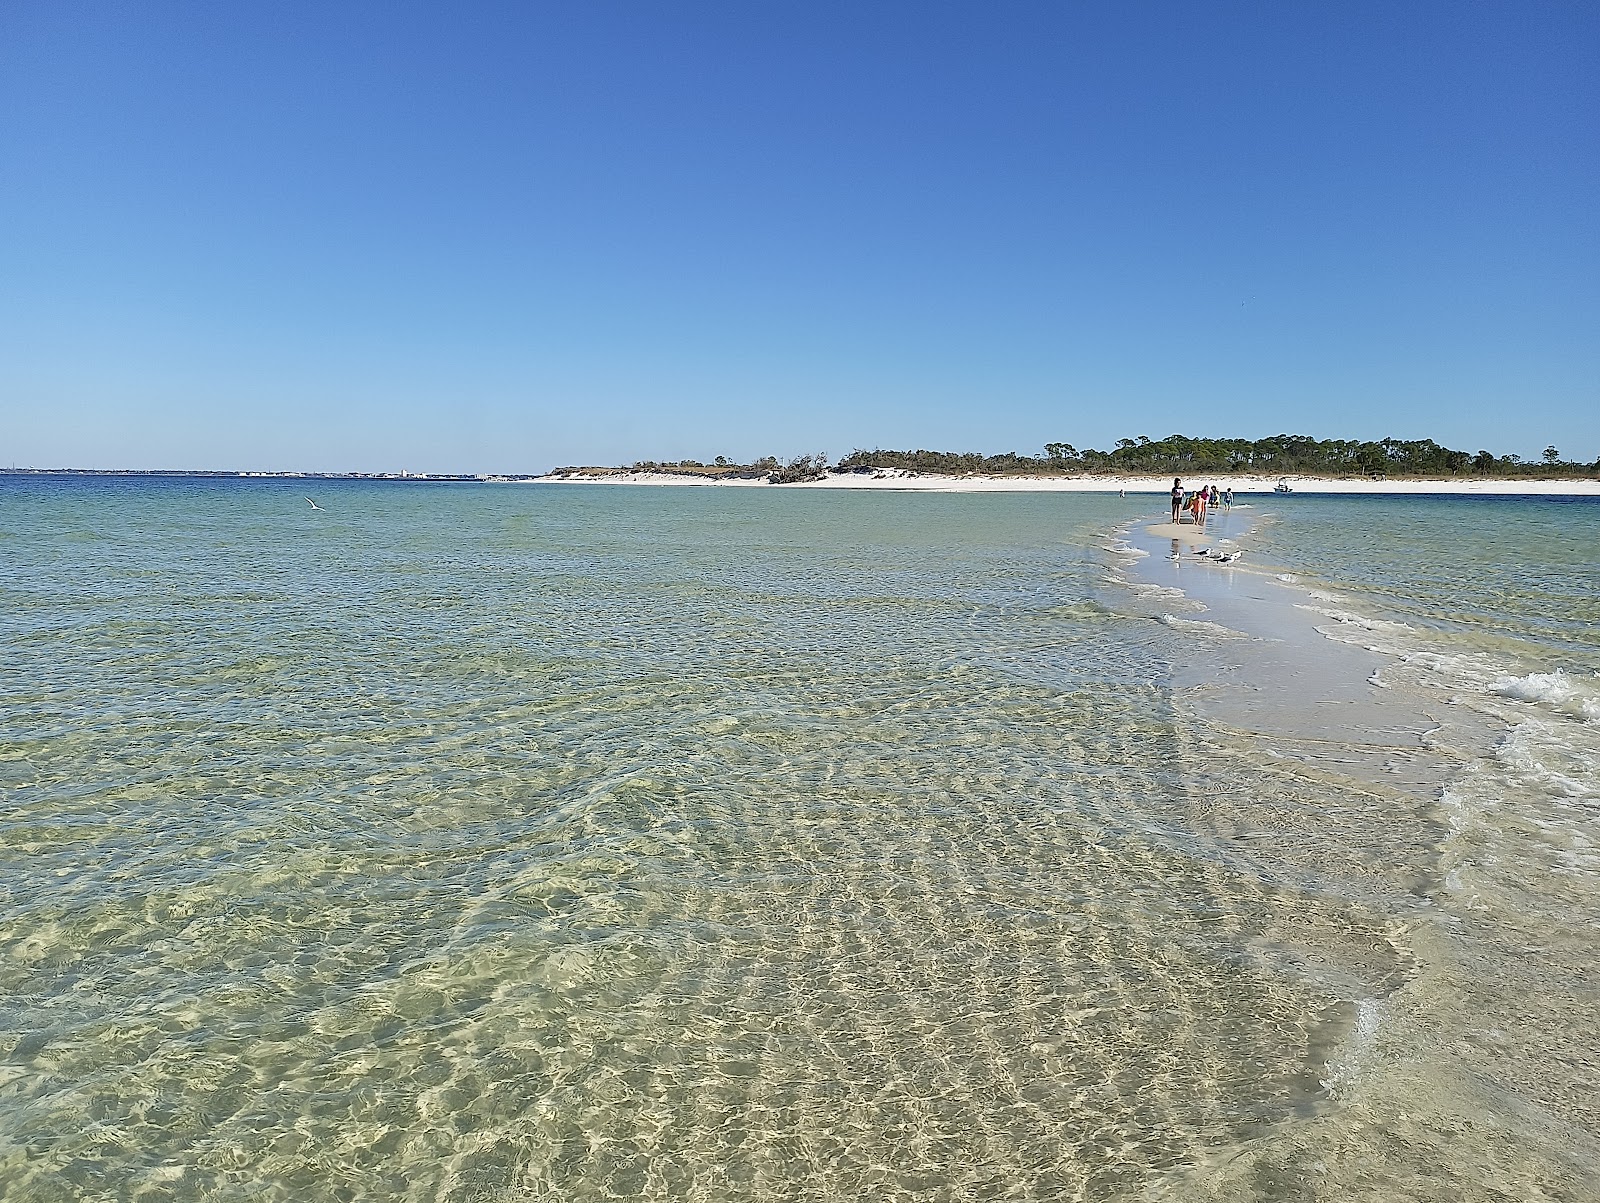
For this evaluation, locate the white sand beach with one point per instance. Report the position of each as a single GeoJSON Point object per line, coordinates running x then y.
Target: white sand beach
{"type": "Point", "coordinates": [897, 479]}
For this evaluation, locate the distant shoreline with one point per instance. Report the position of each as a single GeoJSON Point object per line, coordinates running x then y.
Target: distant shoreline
{"type": "Point", "coordinates": [221, 474]}
{"type": "Point", "coordinates": [900, 480]}
{"type": "Point", "coordinates": [1241, 483]}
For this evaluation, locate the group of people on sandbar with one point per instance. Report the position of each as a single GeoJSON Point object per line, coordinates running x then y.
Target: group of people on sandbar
{"type": "Point", "coordinates": [1198, 502]}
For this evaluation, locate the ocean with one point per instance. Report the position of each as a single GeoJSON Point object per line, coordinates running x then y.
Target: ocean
{"type": "Point", "coordinates": [517, 842]}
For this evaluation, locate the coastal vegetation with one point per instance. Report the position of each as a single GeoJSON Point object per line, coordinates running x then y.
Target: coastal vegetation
{"type": "Point", "coordinates": [1279, 455]}
{"type": "Point", "coordinates": [769, 468]}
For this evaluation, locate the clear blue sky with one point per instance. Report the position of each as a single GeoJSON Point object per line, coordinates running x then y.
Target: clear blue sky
{"type": "Point", "coordinates": [502, 237]}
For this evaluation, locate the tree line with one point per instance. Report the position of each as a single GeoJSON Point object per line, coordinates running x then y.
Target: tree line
{"type": "Point", "coordinates": [1279, 455]}
{"type": "Point", "coordinates": [1176, 455]}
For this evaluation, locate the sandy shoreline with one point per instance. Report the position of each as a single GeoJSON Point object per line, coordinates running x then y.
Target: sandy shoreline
{"type": "Point", "coordinates": [1240, 484]}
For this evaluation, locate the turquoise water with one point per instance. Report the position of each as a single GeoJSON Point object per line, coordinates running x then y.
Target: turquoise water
{"type": "Point", "coordinates": [586, 842]}
{"type": "Point", "coordinates": [1519, 576]}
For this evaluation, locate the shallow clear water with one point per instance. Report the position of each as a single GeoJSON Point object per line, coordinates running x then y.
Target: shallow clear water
{"type": "Point", "coordinates": [1516, 575]}
{"type": "Point", "coordinates": [579, 843]}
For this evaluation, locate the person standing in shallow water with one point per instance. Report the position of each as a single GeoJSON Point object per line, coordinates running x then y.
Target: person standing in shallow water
{"type": "Point", "coordinates": [1177, 498]}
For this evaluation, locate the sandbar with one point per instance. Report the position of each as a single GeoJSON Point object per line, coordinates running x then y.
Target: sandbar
{"type": "Point", "coordinates": [1185, 532]}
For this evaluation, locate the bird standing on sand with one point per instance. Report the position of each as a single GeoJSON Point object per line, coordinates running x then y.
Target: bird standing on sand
{"type": "Point", "coordinates": [312, 504]}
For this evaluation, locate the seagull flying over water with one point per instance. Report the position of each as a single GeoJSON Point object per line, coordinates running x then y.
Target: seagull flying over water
{"type": "Point", "coordinates": [312, 504]}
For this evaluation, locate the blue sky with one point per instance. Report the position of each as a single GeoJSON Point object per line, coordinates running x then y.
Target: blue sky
{"type": "Point", "coordinates": [503, 237]}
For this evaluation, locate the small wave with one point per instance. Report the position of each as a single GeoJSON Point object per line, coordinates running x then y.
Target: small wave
{"type": "Point", "coordinates": [1459, 809]}
{"type": "Point", "coordinates": [1288, 578]}
{"type": "Point", "coordinates": [1345, 1070]}
{"type": "Point", "coordinates": [1200, 626]}
{"type": "Point", "coordinates": [1561, 693]}
{"type": "Point", "coordinates": [1142, 590]}
{"type": "Point", "coordinates": [1537, 759]}
{"type": "Point", "coordinates": [1357, 620]}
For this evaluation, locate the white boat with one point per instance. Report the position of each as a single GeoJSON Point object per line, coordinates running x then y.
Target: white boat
{"type": "Point", "coordinates": [1282, 487]}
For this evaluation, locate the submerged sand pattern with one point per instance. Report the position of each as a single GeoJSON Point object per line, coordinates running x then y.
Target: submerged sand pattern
{"type": "Point", "coordinates": [584, 847]}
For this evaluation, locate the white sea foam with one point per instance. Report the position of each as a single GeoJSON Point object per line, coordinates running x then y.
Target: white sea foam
{"type": "Point", "coordinates": [1350, 618]}
{"type": "Point", "coordinates": [1201, 627]}
{"type": "Point", "coordinates": [1140, 589]}
{"type": "Point", "coordinates": [1462, 806]}
{"type": "Point", "coordinates": [1572, 696]}
{"type": "Point", "coordinates": [1458, 807]}
{"type": "Point", "coordinates": [1536, 757]}
{"type": "Point", "coordinates": [1375, 634]}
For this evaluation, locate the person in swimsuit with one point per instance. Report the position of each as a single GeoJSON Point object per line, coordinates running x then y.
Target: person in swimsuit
{"type": "Point", "coordinates": [1177, 498]}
